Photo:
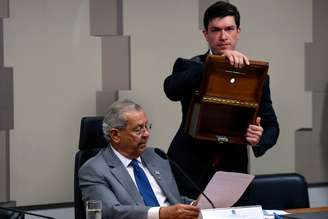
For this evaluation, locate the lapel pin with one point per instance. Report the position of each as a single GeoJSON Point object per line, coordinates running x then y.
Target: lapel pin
{"type": "Point", "coordinates": [158, 174]}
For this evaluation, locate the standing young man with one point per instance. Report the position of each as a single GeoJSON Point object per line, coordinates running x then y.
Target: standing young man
{"type": "Point", "coordinates": [200, 158]}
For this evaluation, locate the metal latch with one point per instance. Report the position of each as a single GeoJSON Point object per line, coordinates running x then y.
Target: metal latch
{"type": "Point", "coordinates": [222, 139]}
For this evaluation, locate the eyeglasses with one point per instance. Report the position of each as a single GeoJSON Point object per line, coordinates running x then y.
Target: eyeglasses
{"type": "Point", "coordinates": [141, 129]}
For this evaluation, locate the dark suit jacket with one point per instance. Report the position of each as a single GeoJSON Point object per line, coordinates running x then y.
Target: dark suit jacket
{"type": "Point", "coordinates": [105, 178]}
{"type": "Point", "coordinates": [201, 159]}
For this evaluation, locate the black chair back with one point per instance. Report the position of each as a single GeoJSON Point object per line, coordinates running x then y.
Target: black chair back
{"type": "Point", "coordinates": [277, 191]}
{"type": "Point", "coordinates": [91, 141]}
{"type": "Point", "coordinates": [8, 214]}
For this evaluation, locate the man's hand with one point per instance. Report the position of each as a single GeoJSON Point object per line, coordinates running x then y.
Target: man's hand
{"type": "Point", "coordinates": [254, 132]}
{"type": "Point", "coordinates": [179, 211]}
{"type": "Point", "coordinates": [237, 59]}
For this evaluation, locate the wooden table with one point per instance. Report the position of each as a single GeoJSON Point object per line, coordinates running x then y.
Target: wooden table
{"type": "Point", "coordinates": [305, 210]}
{"type": "Point", "coordinates": [308, 213]}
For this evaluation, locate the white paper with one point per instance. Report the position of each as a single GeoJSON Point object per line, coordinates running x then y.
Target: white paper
{"type": "Point", "coordinates": [224, 189]}
{"type": "Point", "coordinates": [269, 214]}
{"type": "Point", "coordinates": [249, 212]}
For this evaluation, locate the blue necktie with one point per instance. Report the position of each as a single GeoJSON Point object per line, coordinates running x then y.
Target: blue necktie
{"type": "Point", "coordinates": [143, 184]}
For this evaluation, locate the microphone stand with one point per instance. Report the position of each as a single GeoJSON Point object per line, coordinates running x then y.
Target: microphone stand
{"type": "Point", "coordinates": [163, 155]}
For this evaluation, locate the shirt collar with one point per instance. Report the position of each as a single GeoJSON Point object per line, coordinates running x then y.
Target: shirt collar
{"type": "Point", "coordinates": [126, 161]}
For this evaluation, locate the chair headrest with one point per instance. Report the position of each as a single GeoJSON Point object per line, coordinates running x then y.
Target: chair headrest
{"type": "Point", "coordinates": [91, 133]}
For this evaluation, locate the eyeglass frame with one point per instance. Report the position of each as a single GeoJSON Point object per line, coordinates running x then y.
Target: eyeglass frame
{"type": "Point", "coordinates": [139, 131]}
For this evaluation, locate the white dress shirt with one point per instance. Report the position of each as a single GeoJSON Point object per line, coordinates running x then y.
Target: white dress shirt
{"type": "Point", "coordinates": [153, 212]}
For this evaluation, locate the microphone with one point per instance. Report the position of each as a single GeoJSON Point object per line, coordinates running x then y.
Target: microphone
{"type": "Point", "coordinates": [163, 155]}
{"type": "Point", "coordinates": [6, 209]}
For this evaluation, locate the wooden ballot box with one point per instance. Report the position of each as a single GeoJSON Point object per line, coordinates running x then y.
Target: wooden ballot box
{"type": "Point", "coordinates": [227, 101]}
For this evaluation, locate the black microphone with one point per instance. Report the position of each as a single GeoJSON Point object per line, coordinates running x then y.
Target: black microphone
{"type": "Point", "coordinates": [6, 209]}
{"type": "Point", "coordinates": [163, 155]}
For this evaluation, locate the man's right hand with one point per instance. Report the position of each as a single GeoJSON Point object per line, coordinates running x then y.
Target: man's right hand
{"type": "Point", "coordinates": [179, 211]}
{"type": "Point", "coordinates": [237, 59]}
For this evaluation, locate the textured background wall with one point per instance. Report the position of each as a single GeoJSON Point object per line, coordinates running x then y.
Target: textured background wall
{"type": "Point", "coordinates": [6, 110]}
{"type": "Point", "coordinates": [57, 71]}
{"type": "Point", "coordinates": [311, 145]}
{"type": "Point", "coordinates": [160, 31]}
{"type": "Point", "coordinates": [272, 38]}
{"type": "Point", "coordinates": [278, 33]}
{"type": "Point", "coordinates": [61, 73]}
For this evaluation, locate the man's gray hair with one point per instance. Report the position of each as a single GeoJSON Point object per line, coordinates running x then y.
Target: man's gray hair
{"type": "Point", "coordinates": [114, 116]}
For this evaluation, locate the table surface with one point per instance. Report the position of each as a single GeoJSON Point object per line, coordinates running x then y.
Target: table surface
{"type": "Point", "coordinates": [305, 210]}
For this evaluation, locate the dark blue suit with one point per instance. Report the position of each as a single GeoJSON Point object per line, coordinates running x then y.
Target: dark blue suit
{"type": "Point", "coordinates": [199, 158]}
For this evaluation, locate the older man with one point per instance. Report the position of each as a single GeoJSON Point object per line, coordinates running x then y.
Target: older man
{"type": "Point", "coordinates": [130, 179]}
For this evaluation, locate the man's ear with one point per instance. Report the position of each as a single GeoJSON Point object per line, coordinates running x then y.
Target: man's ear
{"type": "Point", "coordinates": [205, 33]}
{"type": "Point", "coordinates": [114, 135]}
{"type": "Point", "coordinates": [238, 33]}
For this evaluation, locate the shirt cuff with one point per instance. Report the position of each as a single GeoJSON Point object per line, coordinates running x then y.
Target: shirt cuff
{"type": "Point", "coordinates": [153, 213]}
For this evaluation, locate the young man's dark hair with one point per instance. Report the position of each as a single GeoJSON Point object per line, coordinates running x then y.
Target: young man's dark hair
{"type": "Point", "coordinates": [221, 9]}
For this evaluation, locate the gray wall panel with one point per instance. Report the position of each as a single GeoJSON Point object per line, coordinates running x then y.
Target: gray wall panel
{"type": "Point", "coordinates": [4, 166]}
{"type": "Point", "coordinates": [104, 99]}
{"type": "Point", "coordinates": [312, 145]}
{"type": "Point", "coordinates": [1, 43]}
{"type": "Point", "coordinates": [320, 21]}
{"type": "Point", "coordinates": [316, 73]}
{"type": "Point", "coordinates": [4, 8]}
{"type": "Point", "coordinates": [6, 97]}
{"type": "Point", "coordinates": [320, 130]}
{"type": "Point", "coordinates": [306, 151]}
{"type": "Point", "coordinates": [106, 21]}
{"type": "Point", "coordinates": [105, 17]}
{"type": "Point", "coordinates": [116, 62]}
{"type": "Point", "coordinates": [5, 86]}
{"type": "Point", "coordinates": [320, 116]}
{"type": "Point", "coordinates": [115, 70]}
{"type": "Point", "coordinates": [316, 52]}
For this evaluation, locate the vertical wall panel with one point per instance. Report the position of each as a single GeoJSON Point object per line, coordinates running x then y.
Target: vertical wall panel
{"type": "Point", "coordinates": [268, 40]}
{"type": "Point", "coordinates": [316, 52]}
{"type": "Point", "coordinates": [106, 21]}
{"type": "Point", "coordinates": [6, 111]}
{"type": "Point", "coordinates": [115, 69]}
{"type": "Point", "coordinates": [57, 68]}
{"type": "Point", "coordinates": [160, 31]}
{"type": "Point", "coordinates": [115, 62]}
{"type": "Point", "coordinates": [314, 149]}
{"type": "Point", "coordinates": [6, 98]}
{"type": "Point", "coordinates": [4, 166]}
{"type": "Point", "coordinates": [6, 123]}
{"type": "Point", "coordinates": [1, 43]}
{"type": "Point", "coordinates": [104, 99]}
{"type": "Point", "coordinates": [4, 8]}
{"type": "Point", "coordinates": [105, 17]}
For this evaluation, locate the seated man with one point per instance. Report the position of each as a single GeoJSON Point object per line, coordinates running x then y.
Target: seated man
{"type": "Point", "coordinates": [130, 179]}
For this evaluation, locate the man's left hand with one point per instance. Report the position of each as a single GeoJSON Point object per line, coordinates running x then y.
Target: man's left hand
{"type": "Point", "coordinates": [254, 132]}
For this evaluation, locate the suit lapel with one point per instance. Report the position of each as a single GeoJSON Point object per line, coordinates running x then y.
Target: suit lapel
{"type": "Point", "coordinates": [121, 174]}
{"type": "Point", "coordinates": [158, 173]}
